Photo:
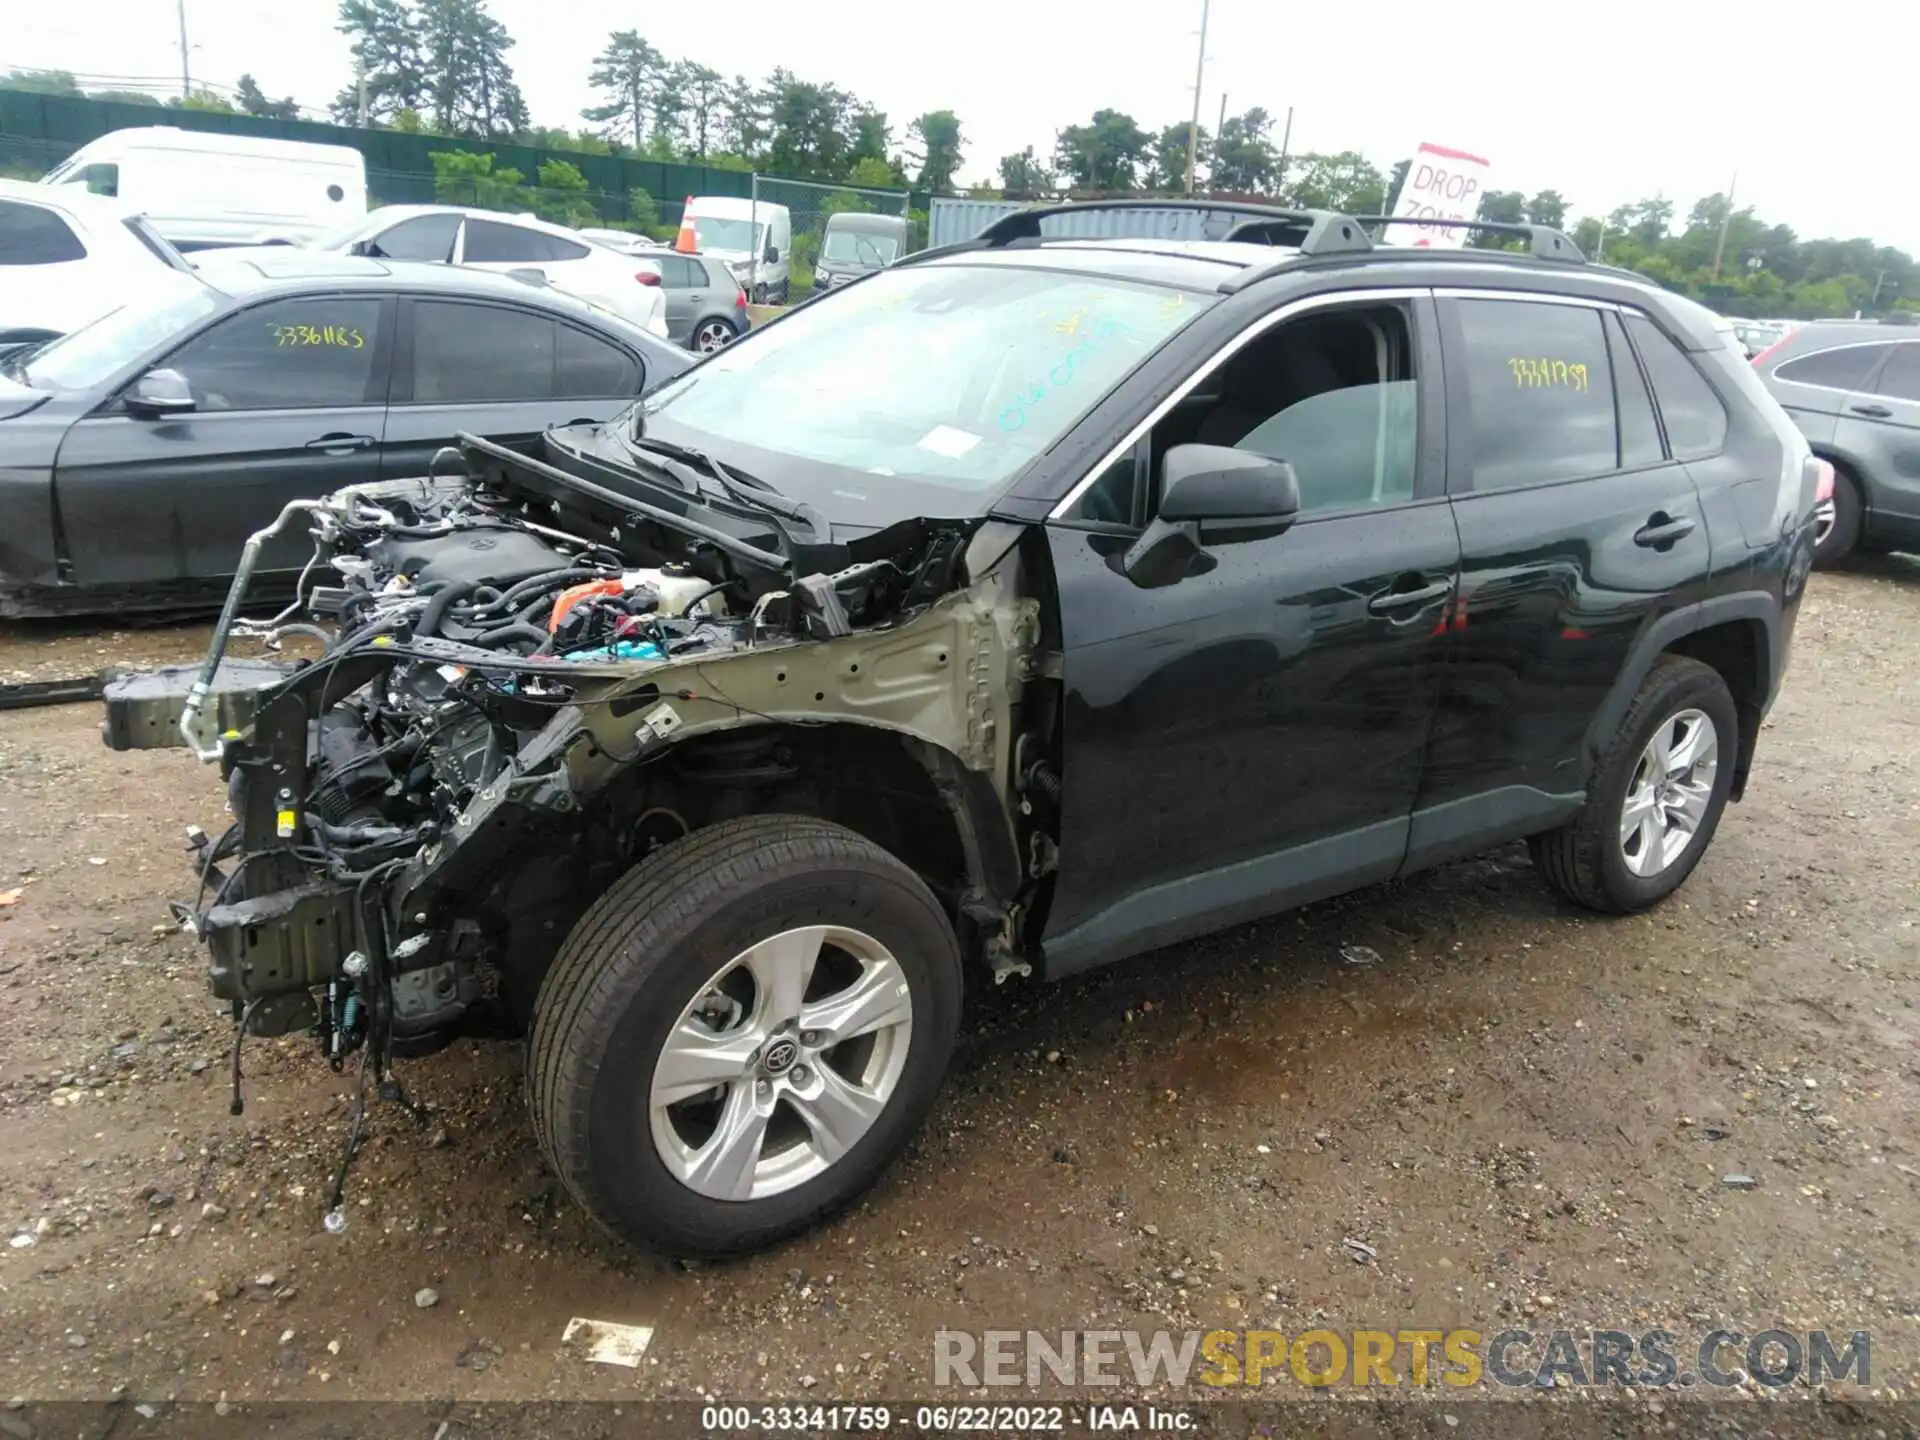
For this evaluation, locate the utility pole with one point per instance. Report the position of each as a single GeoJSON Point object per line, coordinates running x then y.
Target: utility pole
{"type": "Point", "coordinates": [1199, 69]}
{"type": "Point", "coordinates": [360, 91]}
{"type": "Point", "coordinates": [1286, 139]}
{"type": "Point", "coordinates": [186, 77]}
{"type": "Point", "coordinates": [1214, 180]}
{"type": "Point", "coordinates": [1720, 245]}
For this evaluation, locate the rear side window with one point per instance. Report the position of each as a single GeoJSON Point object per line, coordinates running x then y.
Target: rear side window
{"type": "Point", "coordinates": [469, 354]}
{"type": "Point", "coordinates": [287, 355]}
{"type": "Point", "coordinates": [31, 235]}
{"type": "Point", "coordinates": [491, 243]}
{"type": "Point", "coordinates": [1845, 367]}
{"type": "Point", "coordinates": [425, 237]}
{"type": "Point", "coordinates": [559, 248]}
{"type": "Point", "coordinates": [678, 273]}
{"type": "Point", "coordinates": [1696, 421]}
{"type": "Point", "coordinates": [1540, 391]}
{"type": "Point", "coordinates": [588, 368]}
{"type": "Point", "coordinates": [1901, 379]}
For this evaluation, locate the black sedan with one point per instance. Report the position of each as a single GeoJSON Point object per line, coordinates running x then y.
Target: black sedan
{"type": "Point", "coordinates": [138, 453]}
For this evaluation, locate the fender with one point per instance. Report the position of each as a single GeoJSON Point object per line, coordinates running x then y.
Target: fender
{"type": "Point", "coordinates": [1754, 607]}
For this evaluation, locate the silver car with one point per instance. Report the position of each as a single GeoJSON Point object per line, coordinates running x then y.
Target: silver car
{"type": "Point", "coordinates": [1853, 387]}
{"type": "Point", "coordinates": [706, 308]}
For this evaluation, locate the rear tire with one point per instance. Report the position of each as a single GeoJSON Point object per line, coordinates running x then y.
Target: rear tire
{"type": "Point", "coordinates": [663, 956]}
{"type": "Point", "coordinates": [1606, 859]}
{"type": "Point", "coordinates": [1843, 531]}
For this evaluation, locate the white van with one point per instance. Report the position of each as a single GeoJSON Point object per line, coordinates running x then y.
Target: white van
{"type": "Point", "coordinates": [201, 189]}
{"type": "Point", "coordinates": [754, 241]}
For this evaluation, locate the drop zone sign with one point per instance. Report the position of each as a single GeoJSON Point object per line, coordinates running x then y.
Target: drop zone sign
{"type": "Point", "coordinates": [1441, 184]}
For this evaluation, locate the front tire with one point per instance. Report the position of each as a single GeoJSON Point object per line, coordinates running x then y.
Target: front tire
{"type": "Point", "coordinates": [1656, 797]}
{"type": "Point", "coordinates": [740, 1036]}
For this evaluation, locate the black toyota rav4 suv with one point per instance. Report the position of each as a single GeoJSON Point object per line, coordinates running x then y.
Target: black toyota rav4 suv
{"type": "Point", "coordinates": [1024, 606]}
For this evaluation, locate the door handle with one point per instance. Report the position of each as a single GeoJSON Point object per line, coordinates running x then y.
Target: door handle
{"type": "Point", "coordinates": [1872, 412]}
{"type": "Point", "coordinates": [1397, 602]}
{"type": "Point", "coordinates": [1662, 529]}
{"type": "Point", "coordinates": [341, 444]}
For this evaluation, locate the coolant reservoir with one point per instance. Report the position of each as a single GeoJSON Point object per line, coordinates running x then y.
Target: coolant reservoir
{"type": "Point", "coordinates": [677, 589]}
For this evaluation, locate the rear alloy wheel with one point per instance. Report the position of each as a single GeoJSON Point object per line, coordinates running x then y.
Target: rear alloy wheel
{"type": "Point", "coordinates": [712, 335]}
{"type": "Point", "coordinates": [1656, 796]}
{"type": "Point", "coordinates": [1836, 522]}
{"type": "Point", "coordinates": [740, 1036]}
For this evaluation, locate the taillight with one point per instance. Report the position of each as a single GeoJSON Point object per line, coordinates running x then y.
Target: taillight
{"type": "Point", "coordinates": [647, 277]}
{"type": "Point", "coordinates": [1769, 350]}
{"type": "Point", "coordinates": [1823, 482]}
{"type": "Point", "coordinates": [739, 299]}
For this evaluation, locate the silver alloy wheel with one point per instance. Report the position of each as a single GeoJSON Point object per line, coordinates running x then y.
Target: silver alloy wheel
{"type": "Point", "coordinates": [1824, 515]}
{"type": "Point", "coordinates": [1668, 796]}
{"type": "Point", "coordinates": [781, 1063]}
{"type": "Point", "coordinates": [712, 336]}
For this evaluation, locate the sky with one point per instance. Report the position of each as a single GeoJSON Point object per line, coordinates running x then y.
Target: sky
{"type": "Point", "coordinates": [1605, 104]}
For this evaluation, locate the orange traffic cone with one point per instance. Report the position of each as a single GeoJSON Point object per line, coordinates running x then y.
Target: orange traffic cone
{"type": "Point", "coordinates": [686, 242]}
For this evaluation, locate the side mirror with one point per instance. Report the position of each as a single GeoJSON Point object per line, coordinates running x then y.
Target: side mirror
{"type": "Point", "coordinates": [772, 257]}
{"type": "Point", "coordinates": [159, 394]}
{"type": "Point", "coordinates": [1210, 493]}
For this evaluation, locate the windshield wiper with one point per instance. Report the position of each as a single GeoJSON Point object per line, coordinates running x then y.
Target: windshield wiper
{"type": "Point", "coordinates": [14, 362]}
{"type": "Point", "coordinates": [747, 489]}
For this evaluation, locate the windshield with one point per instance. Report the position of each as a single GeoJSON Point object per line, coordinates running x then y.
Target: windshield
{"type": "Point", "coordinates": [855, 247]}
{"type": "Point", "coordinates": [95, 353]}
{"type": "Point", "coordinates": [714, 233]}
{"type": "Point", "coordinates": [953, 375]}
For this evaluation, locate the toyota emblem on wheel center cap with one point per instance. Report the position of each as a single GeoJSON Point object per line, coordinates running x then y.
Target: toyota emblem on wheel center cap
{"type": "Point", "coordinates": [779, 1057]}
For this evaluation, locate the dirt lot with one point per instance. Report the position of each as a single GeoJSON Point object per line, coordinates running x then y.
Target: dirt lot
{"type": "Point", "coordinates": [1526, 1113]}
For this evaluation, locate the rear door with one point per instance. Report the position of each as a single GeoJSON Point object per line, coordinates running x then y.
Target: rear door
{"type": "Point", "coordinates": [1880, 427]}
{"type": "Point", "coordinates": [1577, 529]}
{"type": "Point", "coordinates": [500, 371]}
{"type": "Point", "coordinates": [48, 282]}
{"type": "Point", "coordinates": [685, 284]}
{"type": "Point", "coordinates": [290, 404]}
{"type": "Point", "coordinates": [1815, 384]}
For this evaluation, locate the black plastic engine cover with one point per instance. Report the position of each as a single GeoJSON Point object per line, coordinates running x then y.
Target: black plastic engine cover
{"type": "Point", "coordinates": [496, 555]}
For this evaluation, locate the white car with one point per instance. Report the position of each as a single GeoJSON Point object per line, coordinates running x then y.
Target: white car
{"type": "Point", "coordinates": [67, 258]}
{"type": "Point", "coordinates": [489, 240]}
{"type": "Point", "coordinates": [627, 242]}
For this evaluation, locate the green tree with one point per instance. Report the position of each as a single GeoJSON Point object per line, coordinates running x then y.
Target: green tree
{"type": "Point", "coordinates": [1104, 154]}
{"type": "Point", "coordinates": [1346, 181]}
{"type": "Point", "coordinates": [473, 91]}
{"type": "Point", "coordinates": [1167, 165]}
{"type": "Point", "coordinates": [386, 44]}
{"type": "Point", "coordinates": [463, 178]}
{"type": "Point", "coordinates": [744, 127]}
{"type": "Point", "coordinates": [1548, 207]}
{"type": "Point", "coordinates": [41, 82]}
{"type": "Point", "coordinates": [1244, 161]}
{"type": "Point", "coordinates": [642, 210]}
{"type": "Point", "coordinates": [625, 74]}
{"type": "Point", "coordinates": [201, 98]}
{"type": "Point", "coordinates": [254, 102]}
{"type": "Point", "coordinates": [563, 197]}
{"type": "Point", "coordinates": [934, 150]}
{"type": "Point", "coordinates": [873, 173]}
{"type": "Point", "coordinates": [705, 93]}
{"type": "Point", "coordinates": [810, 127]}
{"type": "Point", "coordinates": [124, 97]}
{"type": "Point", "coordinates": [1498, 207]}
{"type": "Point", "coordinates": [1025, 175]}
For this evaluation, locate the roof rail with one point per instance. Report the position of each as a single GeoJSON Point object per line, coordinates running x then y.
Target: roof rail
{"type": "Point", "coordinates": [1314, 232]}
{"type": "Point", "coordinates": [1543, 241]}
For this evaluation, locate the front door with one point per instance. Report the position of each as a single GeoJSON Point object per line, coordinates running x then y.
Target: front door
{"type": "Point", "coordinates": [1577, 529]}
{"type": "Point", "coordinates": [1252, 736]}
{"type": "Point", "coordinates": [290, 404]}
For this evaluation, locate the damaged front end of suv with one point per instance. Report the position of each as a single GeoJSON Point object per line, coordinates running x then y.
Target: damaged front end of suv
{"type": "Point", "coordinates": [538, 673]}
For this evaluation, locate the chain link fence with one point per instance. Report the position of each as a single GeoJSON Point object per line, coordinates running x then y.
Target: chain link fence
{"type": "Point", "coordinates": [810, 206]}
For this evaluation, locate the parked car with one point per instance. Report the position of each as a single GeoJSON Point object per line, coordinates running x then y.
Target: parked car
{"type": "Point", "coordinates": [487, 240]}
{"type": "Point", "coordinates": [1030, 605]}
{"type": "Point", "coordinates": [751, 238]}
{"type": "Point", "coordinates": [706, 306]}
{"type": "Point", "coordinates": [138, 453]}
{"type": "Point", "coordinates": [1854, 389]}
{"type": "Point", "coordinates": [627, 242]}
{"type": "Point", "coordinates": [67, 258]}
{"type": "Point", "coordinates": [856, 245]}
{"type": "Point", "coordinates": [204, 189]}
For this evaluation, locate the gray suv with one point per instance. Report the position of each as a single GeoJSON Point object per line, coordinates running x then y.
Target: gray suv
{"type": "Point", "coordinates": [1854, 388]}
{"type": "Point", "coordinates": [706, 308]}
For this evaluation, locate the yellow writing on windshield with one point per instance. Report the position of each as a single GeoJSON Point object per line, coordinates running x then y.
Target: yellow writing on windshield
{"type": "Point", "coordinates": [341, 337]}
{"type": "Point", "coordinates": [1532, 372]}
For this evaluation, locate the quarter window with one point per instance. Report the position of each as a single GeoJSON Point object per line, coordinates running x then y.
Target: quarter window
{"type": "Point", "coordinates": [1696, 421]}
{"type": "Point", "coordinates": [1540, 392]}
{"type": "Point", "coordinates": [1639, 429]}
{"type": "Point", "coordinates": [287, 355]}
{"type": "Point", "coordinates": [1845, 367]}
{"type": "Point", "coordinates": [1901, 379]}
{"type": "Point", "coordinates": [33, 235]}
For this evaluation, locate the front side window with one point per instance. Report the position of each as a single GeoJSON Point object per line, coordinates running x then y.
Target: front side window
{"type": "Point", "coordinates": [425, 237]}
{"type": "Point", "coordinates": [294, 354]}
{"type": "Point", "coordinates": [1540, 392]}
{"type": "Point", "coordinates": [1844, 367]}
{"type": "Point", "coordinates": [35, 235]}
{"type": "Point", "coordinates": [679, 273]}
{"type": "Point", "coordinates": [956, 375]}
{"type": "Point", "coordinates": [1901, 379]}
{"type": "Point", "coordinates": [491, 243]}
{"type": "Point", "coordinates": [1696, 421]}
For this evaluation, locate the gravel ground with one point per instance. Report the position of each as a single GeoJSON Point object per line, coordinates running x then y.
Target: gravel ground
{"type": "Point", "coordinates": [1525, 1114]}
